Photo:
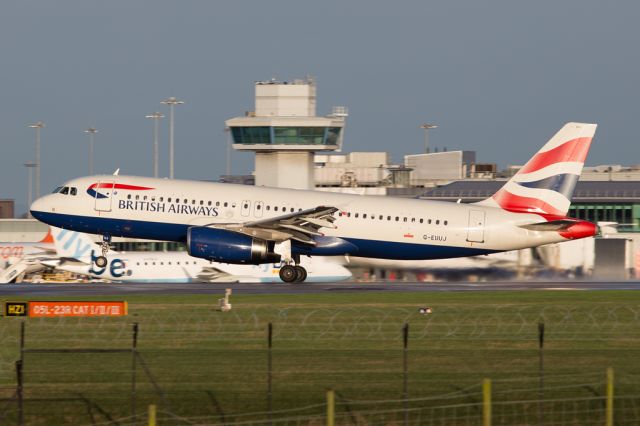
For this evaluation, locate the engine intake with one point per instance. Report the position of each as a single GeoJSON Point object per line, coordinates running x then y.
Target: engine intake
{"type": "Point", "coordinates": [225, 246]}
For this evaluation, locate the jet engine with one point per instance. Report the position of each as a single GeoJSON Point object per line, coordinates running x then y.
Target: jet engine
{"type": "Point", "coordinates": [225, 246]}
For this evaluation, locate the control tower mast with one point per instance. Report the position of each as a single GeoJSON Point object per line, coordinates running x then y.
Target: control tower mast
{"type": "Point", "coordinates": [285, 133]}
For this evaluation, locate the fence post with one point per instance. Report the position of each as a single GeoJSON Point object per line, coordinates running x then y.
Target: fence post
{"type": "Point", "coordinates": [134, 346]}
{"type": "Point", "coordinates": [152, 414]}
{"type": "Point", "coordinates": [20, 376]}
{"type": "Point", "coordinates": [486, 402]}
{"type": "Point", "coordinates": [331, 407]}
{"type": "Point", "coordinates": [541, 373]}
{"type": "Point", "coordinates": [269, 370]}
{"type": "Point", "coordinates": [609, 409]}
{"type": "Point", "coordinates": [19, 393]}
{"type": "Point", "coordinates": [405, 387]}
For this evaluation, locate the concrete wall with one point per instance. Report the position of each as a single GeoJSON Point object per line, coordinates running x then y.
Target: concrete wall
{"type": "Point", "coordinates": [285, 170]}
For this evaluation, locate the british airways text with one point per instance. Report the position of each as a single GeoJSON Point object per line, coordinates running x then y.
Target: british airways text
{"type": "Point", "coordinates": [152, 206]}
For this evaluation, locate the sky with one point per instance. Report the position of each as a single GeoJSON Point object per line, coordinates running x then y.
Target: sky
{"type": "Point", "coordinates": [497, 77]}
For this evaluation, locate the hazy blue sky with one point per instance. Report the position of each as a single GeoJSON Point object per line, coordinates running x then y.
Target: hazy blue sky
{"type": "Point", "coordinates": [498, 77]}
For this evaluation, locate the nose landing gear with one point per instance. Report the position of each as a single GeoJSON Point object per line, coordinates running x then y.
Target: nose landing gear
{"type": "Point", "coordinates": [101, 261]}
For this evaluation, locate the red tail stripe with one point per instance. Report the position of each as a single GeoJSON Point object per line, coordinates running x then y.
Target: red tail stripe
{"type": "Point", "coordinates": [518, 204]}
{"type": "Point", "coordinates": [119, 186]}
{"type": "Point", "coordinates": [574, 150]}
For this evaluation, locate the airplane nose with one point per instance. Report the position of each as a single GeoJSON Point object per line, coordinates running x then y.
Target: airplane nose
{"type": "Point", "coordinates": [38, 207]}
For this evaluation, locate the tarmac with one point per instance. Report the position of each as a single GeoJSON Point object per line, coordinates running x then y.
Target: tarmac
{"type": "Point", "coordinates": [115, 289]}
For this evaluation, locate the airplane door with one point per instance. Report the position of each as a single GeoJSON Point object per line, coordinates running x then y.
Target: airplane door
{"type": "Point", "coordinates": [475, 232]}
{"type": "Point", "coordinates": [103, 196]}
{"type": "Point", "coordinates": [245, 208]}
{"type": "Point", "coordinates": [258, 208]}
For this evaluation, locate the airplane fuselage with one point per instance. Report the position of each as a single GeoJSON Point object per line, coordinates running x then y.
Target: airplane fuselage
{"type": "Point", "coordinates": [366, 226]}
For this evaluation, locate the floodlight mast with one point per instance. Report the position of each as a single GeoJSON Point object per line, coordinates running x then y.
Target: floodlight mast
{"type": "Point", "coordinates": [426, 128]}
{"type": "Point", "coordinates": [172, 102]}
{"type": "Point", "coordinates": [38, 126]}
{"type": "Point", "coordinates": [156, 116]}
{"type": "Point", "coordinates": [91, 131]}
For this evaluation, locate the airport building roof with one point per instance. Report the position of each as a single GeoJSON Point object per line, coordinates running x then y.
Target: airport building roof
{"type": "Point", "coordinates": [585, 192]}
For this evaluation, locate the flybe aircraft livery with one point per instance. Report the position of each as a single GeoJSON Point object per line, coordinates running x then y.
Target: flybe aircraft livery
{"type": "Point", "coordinates": [245, 224]}
{"type": "Point", "coordinates": [78, 254]}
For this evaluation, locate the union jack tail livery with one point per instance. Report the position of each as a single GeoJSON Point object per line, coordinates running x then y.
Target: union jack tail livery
{"type": "Point", "coordinates": [545, 184]}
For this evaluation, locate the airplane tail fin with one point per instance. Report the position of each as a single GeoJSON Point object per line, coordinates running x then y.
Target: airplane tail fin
{"type": "Point", "coordinates": [545, 184]}
{"type": "Point", "coordinates": [71, 244]}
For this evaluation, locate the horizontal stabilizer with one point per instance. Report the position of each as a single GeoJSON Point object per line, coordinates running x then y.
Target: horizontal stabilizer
{"type": "Point", "coordinates": [554, 225]}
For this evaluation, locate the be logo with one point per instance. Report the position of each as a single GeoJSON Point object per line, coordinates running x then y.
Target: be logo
{"type": "Point", "coordinates": [116, 266]}
{"type": "Point", "coordinates": [15, 309]}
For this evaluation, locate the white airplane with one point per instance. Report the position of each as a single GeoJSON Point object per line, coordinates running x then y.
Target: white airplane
{"type": "Point", "coordinates": [245, 224]}
{"type": "Point", "coordinates": [77, 255]}
{"type": "Point", "coordinates": [10, 252]}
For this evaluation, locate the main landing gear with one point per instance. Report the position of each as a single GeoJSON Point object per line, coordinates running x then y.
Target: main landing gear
{"type": "Point", "coordinates": [293, 273]}
{"type": "Point", "coordinates": [101, 261]}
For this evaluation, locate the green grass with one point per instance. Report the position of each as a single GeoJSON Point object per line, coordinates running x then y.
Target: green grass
{"type": "Point", "coordinates": [208, 363]}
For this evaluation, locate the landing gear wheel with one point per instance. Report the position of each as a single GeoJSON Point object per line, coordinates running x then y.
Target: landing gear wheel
{"type": "Point", "coordinates": [301, 273]}
{"type": "Point", "coordinates": [101, 261]}
{"type": "Point", "coordinates": [288, 273]}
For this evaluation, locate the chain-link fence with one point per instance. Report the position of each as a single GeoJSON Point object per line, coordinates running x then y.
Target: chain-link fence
{"type": "Point", "coordinates": [201, 366]}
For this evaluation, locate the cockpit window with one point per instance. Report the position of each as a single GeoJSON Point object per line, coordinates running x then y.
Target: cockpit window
{"type": "Point", "coordinates": [73, 191]}
{"type": "Point", "coordinates": [65, 190]}
{"type": "Point", "coordinates": [55, 191]}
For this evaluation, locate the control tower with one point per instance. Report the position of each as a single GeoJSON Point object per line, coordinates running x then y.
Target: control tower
{"type": "Point", "coordinates": [284, 132]}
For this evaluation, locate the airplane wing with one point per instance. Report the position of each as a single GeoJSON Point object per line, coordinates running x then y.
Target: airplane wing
{"type": "Point", "coordinates": [301, 226]}
{"type": "Point", "coordinates": [211, 274]}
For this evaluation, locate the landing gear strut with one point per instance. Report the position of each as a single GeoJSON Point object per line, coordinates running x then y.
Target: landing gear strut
{"type": "Point", "coordinates": [101, 261]}
{"type": "Point", "coordinates": [293, 273]}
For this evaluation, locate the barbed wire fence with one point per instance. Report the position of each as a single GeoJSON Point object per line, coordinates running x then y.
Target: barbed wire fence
{"type": "Point", "coordinates": [200, 366]}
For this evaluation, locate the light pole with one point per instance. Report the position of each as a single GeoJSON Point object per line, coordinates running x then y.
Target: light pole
{"type": "Point", "coordinates": [426, 128]}
{"type": "Point", "coordinates": [172, 102]}
{"type": "Point", "coordinates": [156, 116]}
{"type": "Point", "coordinates": [38, 126]}
{"type": "Point", "coordinates": [91, 131]}
{"type": "Point", "coordinates": [30, 165]}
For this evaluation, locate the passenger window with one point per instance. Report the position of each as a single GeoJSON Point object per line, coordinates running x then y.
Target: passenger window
{"type": "Point", "coordinates": [161, 198]}
{"type": "Point", "coordinates": [268, 208]}
{"type": "Point", "coordinates": [144, 198]}
{"type": "Point", "coordinates": [65, 190]}
{"type": "Point", "coordinates": [258, 207]}
{"type": "Point", "coordinates": [413, 219]}
{"type": "Point", "coordinates": [446, 223]}
{"type": "Point", "coordinates": [275, 208]}
{"type": "Point", "coordinates": [292, 209]}
{"type": "Point", "coordinates": [364, 216]}
{"type": "Point", "coordinates": [356, 215]}
{"type": "Point", "coordinates": [349, 214]}
{"type": "Point", "coordinates": [429, 221]}
{"type": "Point", "coordinates": [421, 220]}
{"type": "Point", "coordinates": [217, 203]}
{"type": "Point", "coordinates": [193, 201]}
{"type": "Point", "coordinates": [380, 217]}
{"type": "Point", "coordinates": [209, 203]}
{"type": "Point", "coordinates": [397, 218]}
{"type": "Point", "coordinates": [153, 199]}
{"type": "Point", "coordinates": [226, 204]}
{"type": "Point", "coordinates": [438, 222]}
{"type": "Point", "coordinates": [202, 202]}
{"type": "Point", "coordinates": [74, 191]}
{"type": "Point", "coordinates": [186, 201]}
{"type": "Point", "coordinates": [137, 197]}
{"type": "Point", "coordinates": [128, 196]}
{"type": "Point", "coordinates": [168, 200]}
{"type": "Point", "coordinates": [405, 219]}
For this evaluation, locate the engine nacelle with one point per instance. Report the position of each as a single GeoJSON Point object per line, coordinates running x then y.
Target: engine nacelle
{"type": "Point", "coordinates": [225, 246]}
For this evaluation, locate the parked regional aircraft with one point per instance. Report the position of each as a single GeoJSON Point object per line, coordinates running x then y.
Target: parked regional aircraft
{"type": "Point", "coordinates": [77, 255]}
{"type": "Point", "coordinates": [10, 252]}
{"type": "Point", "coordinates": [18, 259]}
{"type": "Point", "coordinates": [244, 224]}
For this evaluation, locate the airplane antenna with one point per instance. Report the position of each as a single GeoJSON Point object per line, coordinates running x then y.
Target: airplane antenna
{"type": "Point", "coordinates": [117, 172]}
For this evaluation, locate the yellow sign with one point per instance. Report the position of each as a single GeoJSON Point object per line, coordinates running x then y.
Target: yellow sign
{"type": "Point", "coordinates": [16, 309]}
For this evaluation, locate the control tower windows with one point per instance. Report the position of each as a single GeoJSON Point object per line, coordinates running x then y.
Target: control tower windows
{"type": "Point", "coordinates": [251, 135]}
{"type": "Point", "coordinates": [299, 135]}
{"type": "Point", "coordinates": [332, 135]}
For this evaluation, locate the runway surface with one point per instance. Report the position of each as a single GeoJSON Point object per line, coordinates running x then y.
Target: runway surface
{"type": "Point", "coordinates": [110, 289]}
